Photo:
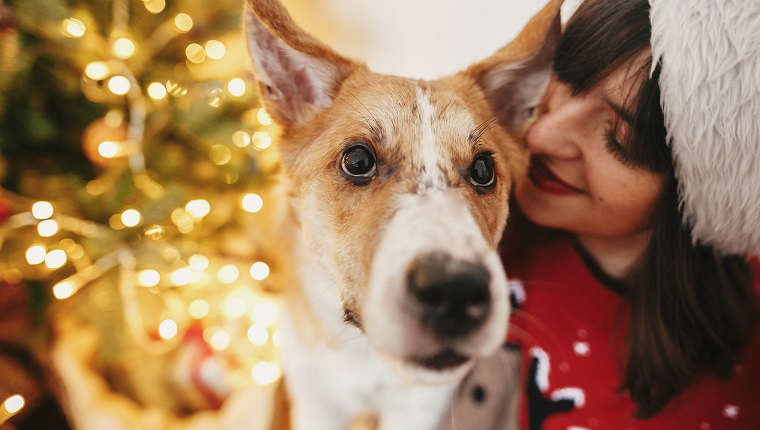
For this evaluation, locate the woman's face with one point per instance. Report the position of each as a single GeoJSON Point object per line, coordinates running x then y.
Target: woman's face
{"type": "Point", "coordinates": [579, 179]}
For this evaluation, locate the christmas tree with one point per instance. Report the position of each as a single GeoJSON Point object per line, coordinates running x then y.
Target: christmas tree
{"type": "Point", "coordinates": [134, 165]}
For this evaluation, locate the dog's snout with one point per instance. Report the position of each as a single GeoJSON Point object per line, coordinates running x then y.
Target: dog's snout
{"type": "Point", "coordinates": [453, 296]}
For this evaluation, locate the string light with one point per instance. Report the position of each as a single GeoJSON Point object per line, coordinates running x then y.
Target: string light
{"type": "Point", "coordinates": [219, 340]}
{"type": "Point", "coordinates": [198, 208]}
{"type": "Point", "coordinates": [55, 259]}
{"type": "Point", "coordinates": [198, 309]}
{"type": "Point", "coordinates": [97, 70]}
{"type": "Point", "coordinates": [72, 27]}
{"type": "Point", "coordinates": [123, 48]}
{"type": "Point", "coordinates": [42, 210]}
{"type": "Point", "coordinates": [228, 274]}
{"type": "Point", "coordinates": [119, 85]}
{"type": "Point", "coordinates": [182, 276]}
{"type": "Point", "coordinates": [148, 278]}
{"type": "Point", "coordinates": [157, 91]}
{"type": "Point", "coordinates": [198, 262]}
{"type": "Point", "coordinates": [183, 22]}
{"type": "Point", "coordinates": [195, 53]}
{"type": "Point", "coordinates": [35, 254]}
{"type": "Point", "coordinates": [11, 406]}
{"type": "Point", "coordinates": [131, 218]}
{"type": "Point", "coordinates": [258, 334]}
{"type": "Point", "coordinates": [220, 155]}
{"type": "Point", "coordinates": [168, 329]}
{"type": "Point", "coordinates": [236, 87]}
{"type": "Point", "coordinates": [215, 49]}
{"type": "Point", "coordinates": [259, 270]}
{"type": "Point", "coordinates": [263, 117]}
{"type": "Point", "coordinates": [47, 228]}
{"type": "Point", "coordinates": [265, 373]}
{"type": "Point", "coordinates": [261, 140]}
{"type": "Point", "coordinates": [155, 6]}
{"type": "Point", "coordinates": [252, 203]}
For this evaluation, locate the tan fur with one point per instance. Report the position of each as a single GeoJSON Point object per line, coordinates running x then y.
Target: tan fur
{"type": "Point", "coordinates": [425, 135]}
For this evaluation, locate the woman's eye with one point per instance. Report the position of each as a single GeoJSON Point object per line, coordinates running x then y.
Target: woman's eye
{"type": "Point", "coordinates": [358, 163]}
{"type": "Point", "coordinates": [482, 172]}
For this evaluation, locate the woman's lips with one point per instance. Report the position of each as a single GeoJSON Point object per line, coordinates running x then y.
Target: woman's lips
{"type": "Point", "coordinates": [544, 179]}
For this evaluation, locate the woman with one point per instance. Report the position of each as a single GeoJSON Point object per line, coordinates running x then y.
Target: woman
{"type": "Point", "coordinates": [637, 305]}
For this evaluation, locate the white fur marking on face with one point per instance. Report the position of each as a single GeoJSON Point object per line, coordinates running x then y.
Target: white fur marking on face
{"type": "Point", "coordinates": [431, 176]}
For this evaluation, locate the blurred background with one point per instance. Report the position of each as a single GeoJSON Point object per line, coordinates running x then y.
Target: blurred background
{"type": "Point", "coordinates": [135, 169]}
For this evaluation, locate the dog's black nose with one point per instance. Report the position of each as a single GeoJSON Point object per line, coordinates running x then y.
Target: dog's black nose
{"type": "Point", "coordinates": [453, 296]}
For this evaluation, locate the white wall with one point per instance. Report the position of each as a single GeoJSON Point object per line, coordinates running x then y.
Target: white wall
{"type": "Point", "coordinates": [414, 38]}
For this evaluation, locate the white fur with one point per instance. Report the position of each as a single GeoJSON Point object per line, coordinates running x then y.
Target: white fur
{"type": "Point", "coordinates": [431, 157]}
{"type": "Point", "coordinates": [710, 79]}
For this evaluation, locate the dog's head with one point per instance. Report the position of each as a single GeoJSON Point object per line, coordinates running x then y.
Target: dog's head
{"type": "Point", "coordinates": [401, 186]}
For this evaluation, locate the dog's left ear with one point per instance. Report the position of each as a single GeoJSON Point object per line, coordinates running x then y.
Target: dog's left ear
{"type": "Point", "coordinates": [515, 78]}
{"type": "Point", "coordinates": [298, 75]}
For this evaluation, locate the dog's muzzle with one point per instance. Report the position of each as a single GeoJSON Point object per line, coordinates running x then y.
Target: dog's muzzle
{"type": "Point", "coordinates": [451, 297]}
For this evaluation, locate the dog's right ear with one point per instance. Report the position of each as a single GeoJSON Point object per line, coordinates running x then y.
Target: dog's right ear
{"type": "Point", "coordinates": [298, 75]}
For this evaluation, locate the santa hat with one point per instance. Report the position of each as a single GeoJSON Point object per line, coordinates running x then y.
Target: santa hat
{"type": "Point", "coordinates": [709, 51]}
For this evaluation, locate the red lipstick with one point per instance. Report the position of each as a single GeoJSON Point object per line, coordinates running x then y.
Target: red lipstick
{"type": "Point", "coordinates": [544, 179]}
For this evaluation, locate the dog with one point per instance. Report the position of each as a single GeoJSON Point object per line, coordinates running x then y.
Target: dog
{"type": "Point", "coordinates": [396, 197]}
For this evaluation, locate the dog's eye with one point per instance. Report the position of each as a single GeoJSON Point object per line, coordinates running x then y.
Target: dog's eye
{"type": "Point", "coordinates": [482, 171]}
{"type": "Point", "coordinates": [358, 163]}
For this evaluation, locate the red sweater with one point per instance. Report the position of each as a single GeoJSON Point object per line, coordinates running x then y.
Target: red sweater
{"type": "Point", "coordinates": [568, 329]}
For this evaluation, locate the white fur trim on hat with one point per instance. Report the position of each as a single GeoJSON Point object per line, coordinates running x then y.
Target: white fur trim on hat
{"type": "Point", "coordinates": [710, 82]}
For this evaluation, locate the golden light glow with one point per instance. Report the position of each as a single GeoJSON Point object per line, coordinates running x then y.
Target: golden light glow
{"type": "Point", "coordinates": [215, 49]}
{"type": "Point", "coordinates": [252, 203]}
{"type": "Point", "coordinates": [198, 309]}
{"type": "Point", "coordinates": [36, 254]}
{"type": "Point", "coordinates": [148, 278]}
{"type": "Point", "coordinates": [241, 139]}
{"type": "Point", "coordinates": [155, 6]}
{"type": "Point", "coordinates": [63, 290]}
{"type": "Point", "coordinates": [167, 329]}
{"type": "Point", "coordinates": [195, 53]}
{"type": "Point", "coordinates": [183, 22]}
{"type": "Point", "coordinates": [157, 91]}
{"type": "Point", "coordinates": [258, 334]}
{"type": "Point", "coordinates": [259, 270]}
{"type": "Point", "coordinates": [119, 85]}
{"type": "Point", "coordinates": [114, 118]}
{"type": "Point", "coordinates": [42, 210]}
{"type": "Point", "coordinates": [265, 312]}
{"type": "Point", "coordinates": [264, 373]}
{"type": "Point", "coordinates": [182, 276]}
{"type": "Point", "coordinates": [175, 88]}
{"type": "Point", "coordinates": [228, 274]}
{"type": "Point", "coordinates": [215, 97]}
{"type": "Point", "coordinates": [47, 228]}
{"type": "Point", "coordinates": [263, 117]}
{"type": "Point", "coordinates": [55, 259]}
{"type": "Point", "coordinates": [198, 262]}
{"type": "Point", "coordinates": [235, 307]}
{"type": "Point", "coordinates": [220, 340]}
{"type": "Point", "coordinates": [14, 403]}
{"type": "Point", "coordinates": [220, 155]}
{"type": "Point", "coordinates": [131, 218]}
{"type": "Point", "coordinates": [123, 48]}
{"type": "Point", "coordinates": [109, 149]}
{"type": "Point", "coordinates": [96, 70]}
{"type": "Point", "coordinates": [261, 140]}
{"type": "Point", "coordinates": [95, 187]}
{"type": "Point", "coordinates": [236, 87]}
{"type": "Point", "coordinates": [72, 27]}
{"type": "Point", "coordinates": [198, 208]}
{"type": "Point", "coordinates": [154, 231]}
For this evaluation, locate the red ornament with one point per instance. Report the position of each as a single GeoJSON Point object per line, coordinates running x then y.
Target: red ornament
{"type": "Point", "coordinates": [5, 210]}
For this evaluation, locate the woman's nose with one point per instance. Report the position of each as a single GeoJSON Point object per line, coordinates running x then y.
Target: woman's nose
{"type": "Point", "coordinates": [556, 131]}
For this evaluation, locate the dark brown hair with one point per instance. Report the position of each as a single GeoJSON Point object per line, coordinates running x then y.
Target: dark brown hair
{"type": "Point", "coordinates": [691, 307]}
